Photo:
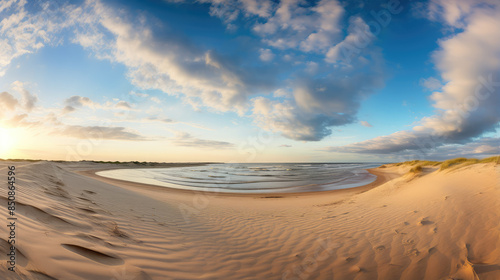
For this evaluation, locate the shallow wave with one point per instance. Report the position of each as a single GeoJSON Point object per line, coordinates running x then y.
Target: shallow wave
{"type": "Point", "coordinates": [252, 178]}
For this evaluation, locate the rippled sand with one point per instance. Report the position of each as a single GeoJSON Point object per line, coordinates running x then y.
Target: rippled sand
{"type": "Point", "coordinates": [434, 225]}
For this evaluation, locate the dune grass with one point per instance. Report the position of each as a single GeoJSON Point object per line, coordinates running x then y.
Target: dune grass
{"type": "Point", "coordinates": [495, 159]}
{"type": "Point", "coordinates": [468, 161]}
{"type": "Point", "coordinates": [418, 165]}
{"type": "Point", "coordinates": [416, 169]}
{"type": "Point", "coordinates": [419, 162]}
{"type": "Point", "coordinates": [457, 161]}
{"type": "Point", "coordinates": [20, 160]}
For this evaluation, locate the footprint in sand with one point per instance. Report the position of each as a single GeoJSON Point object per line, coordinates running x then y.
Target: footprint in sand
{"type": "Point", "coordinates": [350, 259]}
{"type": "Point", "coordinates": [413, 252]}
{"type": "Point", "coordinates": [408, 242]}
{"type": "Point", "coordinates": [399, 231]}
{"type": "Point", "coordinates": [380, 248]}
{"type": "Point", "coordinates": [328, 217]}
{"type": "Point", "coordinates": [425, 221]}
{"type": "Point", "coordinates": [86, 199]}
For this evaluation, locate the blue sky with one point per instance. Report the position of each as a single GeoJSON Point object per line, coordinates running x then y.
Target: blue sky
{"type": "Point", "coordinates": [249, 80]}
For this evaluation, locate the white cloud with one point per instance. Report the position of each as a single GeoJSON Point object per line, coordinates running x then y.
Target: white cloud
{"type": "Point", "coordinates": [330, 12]}
{"type": "Point", "coordinates": [266, 55]}
{"type": "Point", "coordinates": [312, 67]}
{"type": "Point", "coordinates": [480, 148]}
{"type": "Point", "coordinates": [7, 101]}
{"type": "Point", "coordinates": [384, 147]}
{"type": "Point", "coordinates": [99, 132]}
{"type": "Point", "coordinates": [359, 37]}
{"type": "Point", "coordinates": [50, 124]}
{"type": "Point", "coordinates": [310, 29]}
{"type": "Point", "coordinates": [164, 120]}
{"type": "Point", "coordinates": [262, 8]}
{"type": "Point", "coordinates": [316, 105]}
{"type": "Point", "coordinates": [205, 78]}
{"type": "Point", "coordinates": [74, 102]}
{"type": "Point", "coordinates": [229, 10]}
{"type": "Point", "coordinates": [286, 118]}
{"type": "Point", "coordinates": [29, 100]}
{"type": "Point", "coordinates": [172, 64]}
{"type": "Point", "coordinates": [123, 105]}
{"type": "Point", "coordinates": [155, 100]}
{"type": "Point", "coordinates": [487, 149]}
{"type": "Point", "coordinates": [6, 4]}
{"type": "Point", "coordinates": [455, 12]}
{"type": "Point", "coordinates": [19, 121]}
{"type": "Point", "coordinates": [24, 32]}
{"type": "Point", "coordinates": [187, 140]}
{"type": "Point", "coordinates": [431, 83]}
{"type": "Point", "coordinates": [139, 94]}
{"type": "Point", "coordinates": [286, 24]}
{"type": "Point", "coordinates": [468, 102]}
{"type": "Point", "coordinates": [282, 92]}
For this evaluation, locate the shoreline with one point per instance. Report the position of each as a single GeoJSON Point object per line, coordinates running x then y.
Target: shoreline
{"type": "Point", "coordinates": [381, 178]}
{"type": "Point", "coordinates": [430, 225]}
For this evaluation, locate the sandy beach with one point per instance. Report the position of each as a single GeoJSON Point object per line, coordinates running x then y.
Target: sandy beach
{"type": "Point", "coordinates": [433, 224]}
{"type": "Point", "coordinates": [250, 140]}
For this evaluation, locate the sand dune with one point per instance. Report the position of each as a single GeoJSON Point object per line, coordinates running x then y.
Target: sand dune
{"type": "Point", "coordinates": [428, 225]}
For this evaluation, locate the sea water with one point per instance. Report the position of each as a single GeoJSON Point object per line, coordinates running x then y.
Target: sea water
{"type": "Point", "coordinates": [252, 177]}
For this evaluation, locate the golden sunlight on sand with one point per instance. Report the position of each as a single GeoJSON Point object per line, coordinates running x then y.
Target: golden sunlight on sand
{"type": "Point", "coordinates": [412, 223]}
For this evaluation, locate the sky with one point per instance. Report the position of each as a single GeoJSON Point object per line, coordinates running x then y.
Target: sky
{"type": "Point", "coordinates": [249, 80]}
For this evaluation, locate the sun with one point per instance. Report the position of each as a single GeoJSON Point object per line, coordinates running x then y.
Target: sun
{"type": "Point", "coordinates": [6, 142]}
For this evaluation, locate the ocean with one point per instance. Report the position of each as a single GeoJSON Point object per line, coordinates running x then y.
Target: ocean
{"type": "Point", "coordinates": [252, 177]}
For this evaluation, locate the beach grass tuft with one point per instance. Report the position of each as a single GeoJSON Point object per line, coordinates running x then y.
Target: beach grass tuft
{"type": "Point", "coordinates": [417, 169]}
{"type": "Point", "coordinates": [419, 162]}
{"type": "Point", "coordinates": [495, 159]}
{"type": "Point", "coordinates": [467, 161]}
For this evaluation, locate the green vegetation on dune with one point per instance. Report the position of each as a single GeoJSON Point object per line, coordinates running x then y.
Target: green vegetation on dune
{"type": "Point", "coordinates": [418, 165]}
{"type": "Point", "coordinates": [419, 162]}
{"type": "Point", "coordinates": [462, 161]}
{"type": "Point", "coordinates": [468, 161]}
{"type": "Point", "coordinates": [416, 169]}
{"type": "Point", "coordinates": [495, 159]}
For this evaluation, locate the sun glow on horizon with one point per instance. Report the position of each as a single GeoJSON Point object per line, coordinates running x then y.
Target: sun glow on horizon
{"type": "Point", "coordinates": [7, 143]}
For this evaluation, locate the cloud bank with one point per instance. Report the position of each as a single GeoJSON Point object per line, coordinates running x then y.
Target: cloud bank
{"type": "Point", "coordinates": [326, 91]}
{"type": "Point", "coordinates": [15, 113]}
{"type": "Point", "coordinates": [468, 101]}
{"type": "Point", "coordinates": [316, 66]}
{"type": "Point", "coordinates": [185, 139]}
